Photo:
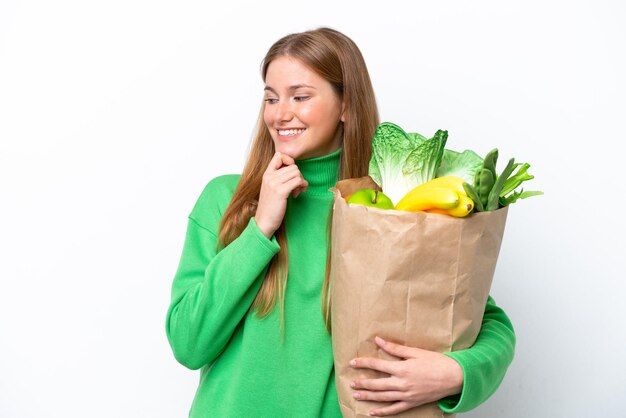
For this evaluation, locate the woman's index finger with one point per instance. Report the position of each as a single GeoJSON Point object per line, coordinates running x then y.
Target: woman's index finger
{"type": "Point", "coordinates": [286, 159]}
{"type": "Point", "coordinates": [275, 163]}
{"type": "Point", "coordinates": [278, 160]}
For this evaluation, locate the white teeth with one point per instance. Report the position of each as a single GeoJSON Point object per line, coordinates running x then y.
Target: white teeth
{"type": "Point", "coordinates": [288, 132]}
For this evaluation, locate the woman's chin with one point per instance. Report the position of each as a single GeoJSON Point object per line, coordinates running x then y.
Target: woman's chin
{"type": "Point", "coordinates": [290, 151]}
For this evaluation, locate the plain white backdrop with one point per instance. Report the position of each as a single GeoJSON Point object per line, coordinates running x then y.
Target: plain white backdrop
{"type": "Point", "coordinates": [114, 115]}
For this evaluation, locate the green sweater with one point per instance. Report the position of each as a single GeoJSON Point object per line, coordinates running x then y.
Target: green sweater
{"type": "Point", "coordinates": [248, 366]}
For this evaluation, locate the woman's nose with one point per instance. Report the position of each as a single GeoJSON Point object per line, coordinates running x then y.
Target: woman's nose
{"type": "Point", "coordinates": [285, 110]}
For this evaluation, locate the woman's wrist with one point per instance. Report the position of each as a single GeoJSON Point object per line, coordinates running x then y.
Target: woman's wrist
{"type": "Point", "coordinates": [265, 230]}
{"type": "Point", "coordinates": [454, 377]}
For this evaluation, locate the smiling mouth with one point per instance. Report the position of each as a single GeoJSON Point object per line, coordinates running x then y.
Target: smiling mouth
{"type": "Point", "coordinates": [290, 132]}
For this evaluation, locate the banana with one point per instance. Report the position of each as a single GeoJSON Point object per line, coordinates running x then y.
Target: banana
{"type": "Point", "coordinates": [464, 207]}
{"type": "Point", "coordinates": [443, 195]}
{"type": "Point", "coordinates": [452, 182]}
{"type": "Point", "coordinates": [423, 198]}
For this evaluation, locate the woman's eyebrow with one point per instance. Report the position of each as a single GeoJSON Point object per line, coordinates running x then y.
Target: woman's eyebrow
{"type": "Point", "coordinates": [294, 87]}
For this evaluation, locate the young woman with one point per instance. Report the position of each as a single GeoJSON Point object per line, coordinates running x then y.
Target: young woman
{"type": "Point", "coordinates": [246, 303]}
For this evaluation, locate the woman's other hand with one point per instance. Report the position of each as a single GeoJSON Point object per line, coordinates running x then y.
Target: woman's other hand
{"type": "Point", "coordinates": [421, 376]}
{"type": "Point", "coordinates": [281, 178]}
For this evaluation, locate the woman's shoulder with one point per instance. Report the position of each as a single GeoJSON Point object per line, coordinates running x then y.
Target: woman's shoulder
{"type": "Point", "coordinates": [225, 183]}
{"type": "Point", "coordinates": [215, 197]}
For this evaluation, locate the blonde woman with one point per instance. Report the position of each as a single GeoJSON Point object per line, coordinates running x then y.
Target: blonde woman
{"type": "Point", "coordinates": [246, 303]}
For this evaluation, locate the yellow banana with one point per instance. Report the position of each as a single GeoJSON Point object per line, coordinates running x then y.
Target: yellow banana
{"type": "Point", "coordinates": [453, 182]}
{"type": "Point", "coordinates": [423, 198]}
{"type": "Point", "coordinates": [464, 207]}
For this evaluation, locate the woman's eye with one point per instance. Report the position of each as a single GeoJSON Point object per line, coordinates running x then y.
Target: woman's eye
{"type": "Point", "coordinates": [301, 98]}
{"type": "Point", "coordinates": [271, 100]}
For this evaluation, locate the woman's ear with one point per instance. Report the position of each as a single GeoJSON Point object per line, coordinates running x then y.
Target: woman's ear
{"type": "Point", "coordinates": [343, 111]}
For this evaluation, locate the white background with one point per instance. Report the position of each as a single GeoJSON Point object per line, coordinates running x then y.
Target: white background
{"type": "Point", "coordinates": [114, 115]}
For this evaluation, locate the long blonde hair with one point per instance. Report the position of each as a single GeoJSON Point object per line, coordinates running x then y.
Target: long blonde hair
{"type": "Point", "coordinates": [337, 59]}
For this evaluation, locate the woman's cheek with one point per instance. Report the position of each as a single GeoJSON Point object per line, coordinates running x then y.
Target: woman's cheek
{"type": "Point", "coordinates": [307, 114]}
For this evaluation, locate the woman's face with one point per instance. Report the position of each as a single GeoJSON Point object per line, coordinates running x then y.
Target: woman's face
{"type": "Point", "coordinates": [302, 111]}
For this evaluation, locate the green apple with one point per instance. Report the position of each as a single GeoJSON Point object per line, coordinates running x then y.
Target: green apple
{"type": "Point", "coordinates": [371, 197]}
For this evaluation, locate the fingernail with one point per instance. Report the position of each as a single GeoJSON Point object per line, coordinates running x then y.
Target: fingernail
{"type": "Point", "coordinates": [372, 414]}
{"type": "Point", "coordinates": [356, 395]}
{"type": "Point", "coordinates": [380, 340]}
{"type": "Point", "coordinates": [352, 384]}
{"type": "Point", "coordinates": [353, 362]}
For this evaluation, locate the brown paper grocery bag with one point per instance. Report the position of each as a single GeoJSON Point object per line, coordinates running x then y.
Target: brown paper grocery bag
{"type": "Point", "coordinates": [416, 279]}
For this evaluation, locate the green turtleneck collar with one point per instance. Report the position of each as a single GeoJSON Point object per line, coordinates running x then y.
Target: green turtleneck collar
{"type": "Point", "coordinates": [322, 172]}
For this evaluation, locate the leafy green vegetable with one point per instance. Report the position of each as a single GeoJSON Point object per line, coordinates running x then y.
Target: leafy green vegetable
{"type": "Point", "coordinates": [401, 161]}
{"type": "Point", "coordinates": [512, 198]}
{"type": "Point", "coordinates": [416, 138]}
{"type": "Point", "coordinates": [472, 194]}
{"type": "Point", "coordinates": [422, 163]}
{"type": "Point", "coordinates": [390, 146]}
{"type": "Point", "coordinates": [494, 194]}
{"type": "Point", "coordinates": [493, 191]}
{"type": "Point", "coordinates": [461, 164]}
{"type": "Point", "coordinates": [486, 178]}
{"type": "Point", "coordinates": [491, 159]}
{"type": "Point", "coordinates": [508, 195]}
{"type": "Point", "coordinates": [516, 179]}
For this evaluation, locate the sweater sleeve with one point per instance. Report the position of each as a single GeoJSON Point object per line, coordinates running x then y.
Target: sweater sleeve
{"type": "Point", "coordinates": [485, 362]}
{"type": "Point", "coordinates": [212, 291]}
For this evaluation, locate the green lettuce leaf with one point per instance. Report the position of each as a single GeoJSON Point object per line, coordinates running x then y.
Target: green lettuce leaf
{"type": "Point", "coordinates": [423, 162]}
{"type": "Point", "coordinates": [390, 147]}
{"type": "Point", "coordinates": [461, 164]}
{"type": "Point", "coordinates": [400, 161]}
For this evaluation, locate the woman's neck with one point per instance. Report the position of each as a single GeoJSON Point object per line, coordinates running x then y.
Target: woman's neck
{"type": "Point", "coordinates": [321, 173]}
